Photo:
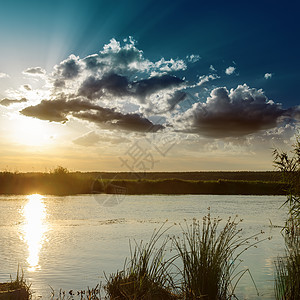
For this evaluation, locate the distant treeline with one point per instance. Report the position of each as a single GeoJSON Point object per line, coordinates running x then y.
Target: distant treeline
{"type": "Point", "coordinates": [178, 186]}
{"type": "Point", "coordinates": [62, 182]}
{"type": "Point", "coordinates": [213, 175]}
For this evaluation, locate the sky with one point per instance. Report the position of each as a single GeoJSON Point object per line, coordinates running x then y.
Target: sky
{"type": "Point", "coordinates": [139, 86]}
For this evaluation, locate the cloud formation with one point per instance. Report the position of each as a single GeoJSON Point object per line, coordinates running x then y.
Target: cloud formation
{"type": "Point", "coordinates": [4, 75]}
{"type": "Point", "coordinates": [118, 88]}
{"type": "Point", "coordinates": [268, 75]}
{"type": "Point", "coordinates": [230, 70]}
{"type": "Point", "coordinates": [89, 139]}
{"type": "Point", "coordinates": [233, 113]}
{"type": "Point", "coordinates": [68, 69]}
{"type": "Point", "coordinates": [60, 109]}
{"type": "Point", "coordinates": [27, 87]}
{"type": "Point", "coordinates": [8, 102]}
{"type": "Point", "coordinates": [38, 71]}
{"type": "Point", "coordinates": [92, 138]}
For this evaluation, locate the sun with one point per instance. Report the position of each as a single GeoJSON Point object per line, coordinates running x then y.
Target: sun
{"type": "Point", "coordinates": [32, 132]}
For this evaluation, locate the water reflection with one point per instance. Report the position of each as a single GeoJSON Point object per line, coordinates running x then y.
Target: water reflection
{"type": "Point", "coordinates": [34, 229]}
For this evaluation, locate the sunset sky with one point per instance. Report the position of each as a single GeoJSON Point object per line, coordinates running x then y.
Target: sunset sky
{"type": "Point", "coordinates": [147, 85]}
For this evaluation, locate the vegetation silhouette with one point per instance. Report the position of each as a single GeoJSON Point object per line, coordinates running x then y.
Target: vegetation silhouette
{"type": "Point", "coordinates": [60, 181]}
{"type": "Point", "coordinates": [287, 277]}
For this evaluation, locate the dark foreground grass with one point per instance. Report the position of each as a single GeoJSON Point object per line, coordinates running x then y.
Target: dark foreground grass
{"type": "Point", "coordinates": [146, 275]}
{"type": "Point", "coordinates": [210, 258]}
{"type": "Point", "coordinates": [287, 276]}
{"type": "Point", "coordinates": [204, 266]}
{"type": "Point", "coordinates": [17, 289]}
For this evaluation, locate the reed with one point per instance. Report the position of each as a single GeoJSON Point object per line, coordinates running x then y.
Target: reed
{"type": "Point", "coordinates": [287, 268]}
{"type": "Point", "coordinates": [146, 274]}
{"type": "Point", "coordinates": [16, 289]}
{"type": "Point", "coordinates": [210, 258]}
{"type": "Point", "coordinates": [287, 276]}
{"type": "Point", "coordinates": [205, 264]}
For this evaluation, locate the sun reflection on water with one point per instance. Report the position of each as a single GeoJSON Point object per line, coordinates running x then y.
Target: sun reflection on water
{"type": "Point", "coordinates": [34, 229]}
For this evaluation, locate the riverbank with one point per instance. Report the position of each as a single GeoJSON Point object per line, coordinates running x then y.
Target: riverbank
{"type": "Point", "coordinates": [197, 187]}
{"type": "Point", "coordinates": [62, 182]}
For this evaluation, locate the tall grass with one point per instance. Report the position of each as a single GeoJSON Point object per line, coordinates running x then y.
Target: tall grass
{"type": "Point", "coordinates": [287, 278]}
{"type": "Point", "coordinates": [210, 258]}
{"type": "Point", "coordinates": [17, 289]}
{"type": "Point", "coordinates": [146, 275]}
{"type": "Point", "coordinates": [204, 266]}
{"type": "Point", "coordinates": [287, 274]}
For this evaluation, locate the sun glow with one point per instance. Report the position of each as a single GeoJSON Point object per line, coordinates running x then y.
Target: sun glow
{"type": "Point", "coordinates": [34, 228]}
{"type": "Point", "coordinates": [32, 132]}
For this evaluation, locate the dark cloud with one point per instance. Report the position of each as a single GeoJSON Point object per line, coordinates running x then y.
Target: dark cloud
{"type": "Point", "coordinates": [166, 102]}
{"type": "Point", "coordinates": [68, 69]}
{"type": "Point", "coordinates": [110, 119]}
{"type": "Point", "coordinates": [56, 110]}
{"type": "Point", "coordinates": [146, 87]}
{"type": "Point", "coordinates": [176, 98]}
{"type": "Point", "coordinates": [117, 85]}
{"type": "Point", "coordinates": [59, 110]}
{"type": "Point", "coordinates": [59, 83]}
{"type": "Point", "coordinates": [7, 102]}
{"type": "Point", "coordinates": [27, 87]}
{"type": "Point", "coordinates": [35, 71]}
{"type": "Point", "coordinates": [93, 63]}
{"type": "Point", "coordinates": [113, 84]}
{"type": "Point", "coordinates": [293, 113]}
{"type": "Point", "coordinates": [236, 113]}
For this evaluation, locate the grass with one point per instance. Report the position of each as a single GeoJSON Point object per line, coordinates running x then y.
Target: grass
{"type": "Point", "coordinates": [287, 278]}
{"type": "Point", "coordinates": [210, 258]}
{"type": "Point", "coordinates": [287, 275]}
{"type": "Point", "coordinates": [205, 265]}
{"type": "Point", "coordinates": [17, 289]}
{"type": "Point", "coordinates": [145, 276]}
{"type": "Point", "coordinates": [88, 294]}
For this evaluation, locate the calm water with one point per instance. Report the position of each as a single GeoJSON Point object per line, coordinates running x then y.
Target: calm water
{"type": "Point", "coordinates": [68, 242]}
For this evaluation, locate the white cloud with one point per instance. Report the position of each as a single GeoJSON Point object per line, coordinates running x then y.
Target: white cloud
{"type": "Point", "coordinates": [170, 65]}
{"type": "Point", "coordinates": [4, 75]}
{"type": "Point", "coordinates": [35, 71]}
{"type": "Point", "coordinates": [211, 67]}
{"type": "Point", "coordinates": [268, 75]}
{"type": "Point", "coordinates": [206, 78]}
{"type": "Point", "coordinates": [230, 70]}
{"type": "Point", "coordinates": [193, 58]}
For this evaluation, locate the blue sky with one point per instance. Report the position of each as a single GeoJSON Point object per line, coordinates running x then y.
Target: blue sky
{"type": "Point", "coordinates": [193, 51]}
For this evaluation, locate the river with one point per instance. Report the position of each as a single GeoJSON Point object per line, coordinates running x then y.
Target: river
{"type": "Point", "coordinates": [69, 242]}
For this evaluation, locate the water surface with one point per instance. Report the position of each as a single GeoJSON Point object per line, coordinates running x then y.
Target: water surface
{"type": "Point", "coordinates": [68, 242]}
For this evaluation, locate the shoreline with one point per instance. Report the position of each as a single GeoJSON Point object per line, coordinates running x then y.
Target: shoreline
{"type": "Point", "coordinates": [69, 184]}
